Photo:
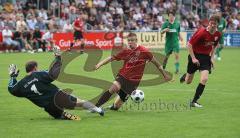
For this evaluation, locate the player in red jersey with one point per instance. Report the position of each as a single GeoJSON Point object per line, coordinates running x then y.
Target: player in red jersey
{"type": "Point", "coordinates": [201, 55]}
{"type": "Point", "coordinates": [130, 75]}
{"type": "Point", "coordinates": [78, 26]}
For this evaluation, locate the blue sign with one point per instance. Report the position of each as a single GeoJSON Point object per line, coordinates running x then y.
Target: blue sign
{"type": "Point", "coordinates": [232, 39]}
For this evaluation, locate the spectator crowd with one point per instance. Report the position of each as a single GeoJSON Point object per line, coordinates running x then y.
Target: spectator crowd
{"type": "Point", "coordinates": [22, 22]}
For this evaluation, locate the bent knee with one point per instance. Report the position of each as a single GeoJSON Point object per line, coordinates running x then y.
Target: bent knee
{"type": "Point", "coordinates": [115, 87]}
{"type": "Point", "coordinates": [204, 80]}
{"type": "Point", "coordinates": [189, 79]}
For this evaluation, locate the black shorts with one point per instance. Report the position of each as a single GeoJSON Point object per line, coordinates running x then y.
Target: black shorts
{"type": "Point", "coordinates": [123, 96]}
{"type": "Point", "coordinates": [127, 87]}
{"type": "Point", "coordinates": [205, 63]}
{"type": "Point", "coordinates": [60, 102]}
{"type": "Point", "coordinates": [78, 35]}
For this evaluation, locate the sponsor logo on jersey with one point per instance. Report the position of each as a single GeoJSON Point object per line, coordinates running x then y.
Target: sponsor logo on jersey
{"type": "Point", "coordinates": [172, 30]}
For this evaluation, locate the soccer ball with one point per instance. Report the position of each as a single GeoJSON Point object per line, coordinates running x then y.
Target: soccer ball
{"type": "Point", "coordinates": [137, 96]}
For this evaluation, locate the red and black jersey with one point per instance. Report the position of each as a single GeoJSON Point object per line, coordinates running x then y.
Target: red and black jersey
{"type": "Point", "coordinates": [203, 41]}
{"type": "Point", "coordinates": [134, 62]}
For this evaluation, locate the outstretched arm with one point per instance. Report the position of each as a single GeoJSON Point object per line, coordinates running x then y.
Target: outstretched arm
{"type": "Point", "coordinates": [55, 68]}
{"type": "Point", "coordinates": [160, 68]}
{"type": "Point", "coordinates": [13, 84]}
{"type": "Point", "coordinates": [104, 62]}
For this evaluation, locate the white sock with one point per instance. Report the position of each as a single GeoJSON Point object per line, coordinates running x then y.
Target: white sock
{"type": "Point", "coordinates": [97, 109]}
{"type": "Point", "coordinates": [91, 107]}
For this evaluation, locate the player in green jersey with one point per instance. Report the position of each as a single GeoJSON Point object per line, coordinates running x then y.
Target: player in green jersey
{"type": "Point", "coordinates": [172, 29]}
{"type": "Point", "coordinates": [221, 28]}
{"type": "Point", "coordinates": [37, 87]}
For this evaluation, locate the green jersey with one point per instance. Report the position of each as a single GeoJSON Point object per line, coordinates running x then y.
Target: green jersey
{"type": "Point", "coordinates": [222, 25]}
{"type": "Point", "coordinates": [172, 37]}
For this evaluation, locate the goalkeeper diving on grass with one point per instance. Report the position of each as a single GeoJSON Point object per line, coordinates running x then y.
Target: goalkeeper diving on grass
{"type": "Point", "coordinates": [37, 87]}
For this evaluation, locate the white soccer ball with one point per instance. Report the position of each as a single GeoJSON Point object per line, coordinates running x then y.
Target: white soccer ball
{"type": "Point", "coordinates": [137, 96]}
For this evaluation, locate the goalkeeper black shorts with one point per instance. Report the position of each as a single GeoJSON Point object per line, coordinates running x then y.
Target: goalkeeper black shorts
{"type": "Point", "coordinates": [60, 102]}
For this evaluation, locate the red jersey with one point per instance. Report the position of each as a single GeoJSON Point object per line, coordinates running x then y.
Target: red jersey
{"type": "Point", "coordinates": [203, 42]}
{"type": "Point", "coordinates": [79, 24]}
{"type": "Point", "coordinates": [134, 62]}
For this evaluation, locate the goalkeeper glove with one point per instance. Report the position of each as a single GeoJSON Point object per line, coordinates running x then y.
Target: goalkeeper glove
{"type": "Point", "coordinates": [13, 71]}
{"type": "Point", "coordinates": [56, 51]}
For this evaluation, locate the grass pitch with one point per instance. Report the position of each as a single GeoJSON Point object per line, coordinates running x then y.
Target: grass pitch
{"type": "Point", "coordinates": [164, 112]}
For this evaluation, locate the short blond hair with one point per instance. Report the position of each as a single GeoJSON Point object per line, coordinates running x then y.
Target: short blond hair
{"type": "Point", "coordinates": [215, 18]}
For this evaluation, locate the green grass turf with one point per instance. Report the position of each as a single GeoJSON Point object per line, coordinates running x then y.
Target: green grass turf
{"type": "Point", "coordinates": [218, 118]}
